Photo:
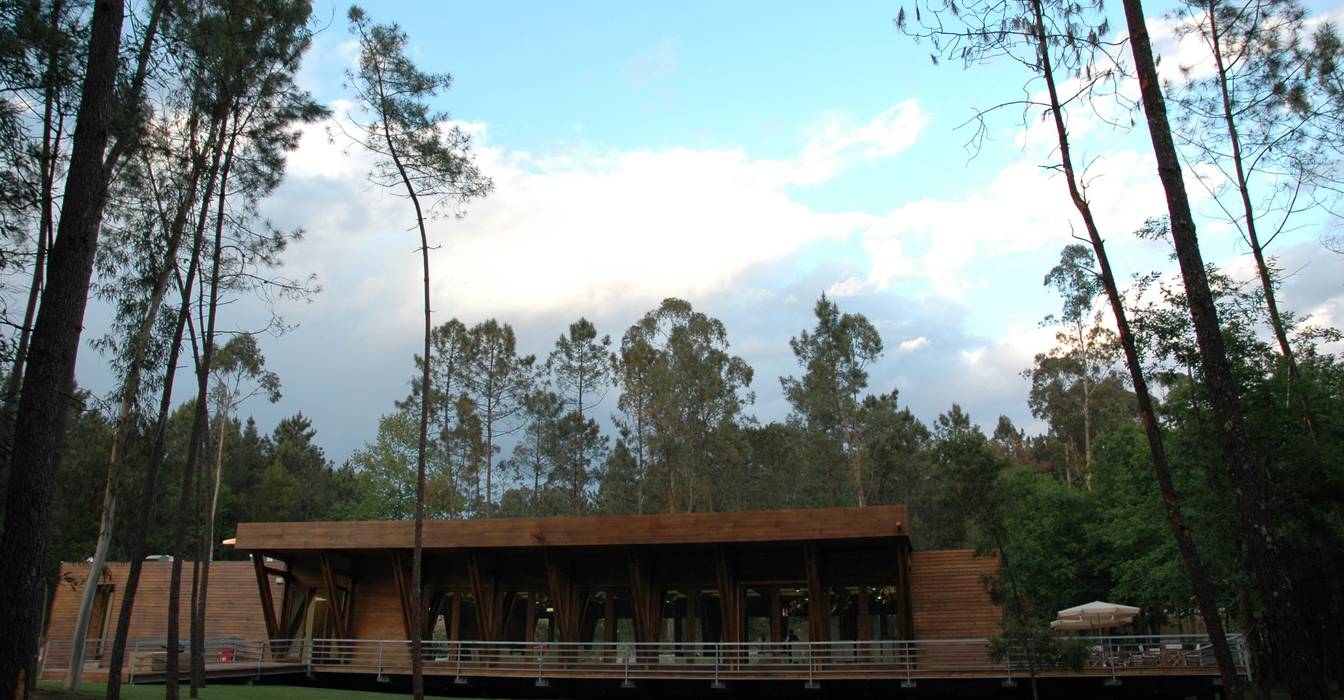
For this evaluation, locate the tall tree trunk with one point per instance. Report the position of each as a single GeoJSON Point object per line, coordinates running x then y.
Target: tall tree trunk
{"type": "Point", "coordinates": [1292, 638]}
{"type": "Point", "coordinates": [1200, 583]}
{"type": "Point", "coordinates": [1252, 234]}
{"type": "Point", "coordinates": [39, 426]}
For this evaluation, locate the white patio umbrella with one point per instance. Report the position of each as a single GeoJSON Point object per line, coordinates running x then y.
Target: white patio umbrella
{"type": "Point", "coordinates": [1094, 616]}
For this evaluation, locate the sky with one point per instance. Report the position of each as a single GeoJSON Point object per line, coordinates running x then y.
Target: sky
{"type": "Point", "coordinates": [746, 157]}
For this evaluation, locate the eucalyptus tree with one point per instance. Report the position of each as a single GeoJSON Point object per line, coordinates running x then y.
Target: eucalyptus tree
{"type": "Point", "coordinates": [634, 370]}
{"type": "Point", "coordinates": [1046, 36]}
{"type": "Point", "coordinates": [581, 366]}
{"type": "Point", "coordinates": [152, 203]}
{"type": "Point", "coordinates": [835, 357]}
{"type": "Point", "coordinates": [239, 371]}
{"type": "Point", "coordinates": [245, 56]}
{"type": "Point", "coordinates": [1293, 639]}
{"type": "Point", "coordinates": [417, 155]}
{"type": "Point", "coordinates": [694, 392]}
{"type": "Point", "coordinates": [1075, 387]}
{"type": "Point", "coordinates": [1264, 117]}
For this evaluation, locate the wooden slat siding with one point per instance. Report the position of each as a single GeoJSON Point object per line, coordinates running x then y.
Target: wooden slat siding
{"type": "Point", "coordinates": [234, 609]}
{"type": "Point", "coordinates": [678, 528]}
{"type": "Point", "coordinates": [948, 595]}
{"type": "Point", "coordinates": [378, 612]}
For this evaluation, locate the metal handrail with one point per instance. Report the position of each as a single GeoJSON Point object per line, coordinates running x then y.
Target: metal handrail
{"type": "Point", "coordinates": [905, 660]}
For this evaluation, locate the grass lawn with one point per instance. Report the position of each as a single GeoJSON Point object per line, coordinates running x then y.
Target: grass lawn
{"type": "Point", "coordinates": [52, 690]}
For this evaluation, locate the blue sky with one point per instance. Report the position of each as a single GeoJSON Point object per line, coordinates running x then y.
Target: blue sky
{"type": "Point", "coordinates": [744, 156]}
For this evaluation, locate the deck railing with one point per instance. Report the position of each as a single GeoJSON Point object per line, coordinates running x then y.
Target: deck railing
{"type": "Point", "coordinates": [908, 661]}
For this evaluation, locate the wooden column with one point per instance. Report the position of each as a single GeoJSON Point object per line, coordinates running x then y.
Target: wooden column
{"type": "Point", "coordinates": [564, 596]}
{"type": "Point", "coordinates": [609, 618]}
{"type": "Point", "coordinates": [693, 615]}
{"type": "Point", "coordinates": [905, 613]}
{"type": "Point", "coordinates": [776, 615]}
{"type": "Point", "coordinates": [456, 626]}
{"type": "Point", "coordinates": [530, 633]}
{"type": "Point", "coordinates": [643, 598]}
{"type": "Point", "coordinates": [338, 610]}
{"type": "Point", "coordinates": [730, 595]}
{"type": "Point", "coordinates": [865, 629]}
{"type": "Point", "coordinates": [400, 579]}
{"type": "Point", "coordinates": [488, 601]}
{"type": "Point", "coordinates": [818, 602]}
{"type": "Point", "coordinates": [264, 588]}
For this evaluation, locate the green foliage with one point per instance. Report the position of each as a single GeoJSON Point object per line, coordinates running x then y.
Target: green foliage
{"type": "Point", "coordinates": [835, 357]}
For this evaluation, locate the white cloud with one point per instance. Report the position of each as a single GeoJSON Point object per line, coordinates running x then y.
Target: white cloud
{"type": "Point", "coordinates": [583, 229]}
{"type": "Point", "coordinates": [912, 344]}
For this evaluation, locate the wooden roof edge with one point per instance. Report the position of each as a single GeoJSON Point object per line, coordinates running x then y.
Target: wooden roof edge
{"type": "Point", "coordinates": [669, 528]}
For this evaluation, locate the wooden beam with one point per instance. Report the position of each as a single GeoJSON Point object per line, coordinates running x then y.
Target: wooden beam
{"type": "Point", "coordinates": [267, 602]}
{"type": "Point", "coordinates": [329, 580]}
{"type": "Point", "coordinates": [403, 593]}
{"type": "Point", "coordinates": [820, 524]}
{"type": "Point", "coordinates": [818, 601]}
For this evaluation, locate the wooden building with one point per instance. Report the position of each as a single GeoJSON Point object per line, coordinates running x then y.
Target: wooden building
{"type": "Point", "coordinates": [679, 578]}
{"type": "Point", "coordinates": [233, 612]}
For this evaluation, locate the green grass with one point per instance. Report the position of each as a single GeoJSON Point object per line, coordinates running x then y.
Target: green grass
{"type": "Point", "coordinates": [220, 692]}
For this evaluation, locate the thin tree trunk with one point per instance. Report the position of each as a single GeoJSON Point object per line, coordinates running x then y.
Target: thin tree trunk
{"type": "Point", "coordinates": [1252, 236]}
{"type": "Point", "coordinates": [40, 422]}
{"type": "Point", "coordinates": [205, 352]}
{"type": "Point", "coordinates": [417, 614]}
{"type": "Point", "coordinates": [206, 545]}
{"type": "Point", "coordinates": [139, 541]}
{"type": "Point", "coordinates": [1200, 583]}
{"type": "Point", "coordinates": [1292, 638]}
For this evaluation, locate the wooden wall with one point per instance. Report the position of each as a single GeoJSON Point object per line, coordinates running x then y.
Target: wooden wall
{"type": "Point", "coordinates": [949, 597]}
{"type": "Point", "coordinates": [234, 609]}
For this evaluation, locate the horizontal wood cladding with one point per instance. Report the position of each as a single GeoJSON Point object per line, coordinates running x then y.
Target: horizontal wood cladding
{"type": "Point", "coordinates": [949, 596]}
{"type": "Point", "coordinates": [819, 524]}
{"type": "Point", "coordinates": [234, 608]}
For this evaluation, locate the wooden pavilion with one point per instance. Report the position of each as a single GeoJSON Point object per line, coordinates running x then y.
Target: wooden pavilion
{"type": "Point", "coordinates": [681, 578]}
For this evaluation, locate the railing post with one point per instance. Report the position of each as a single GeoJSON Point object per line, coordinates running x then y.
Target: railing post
{"type": "Point", "coordinates": [261, 656]}
{"type": "Point", "coordinates": [310, 656]}
{"type": "Point", "coordinates": [135, 651]}
{"type": "Point", "coordinates": [718, 664]}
